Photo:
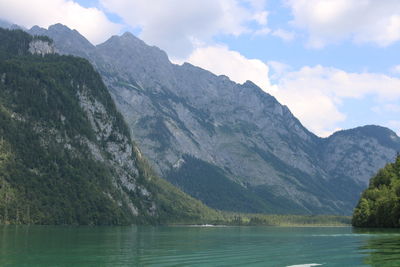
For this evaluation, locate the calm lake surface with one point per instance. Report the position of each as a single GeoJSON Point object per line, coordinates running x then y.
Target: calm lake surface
{"type": "Point", "coordinates": [197, 246]}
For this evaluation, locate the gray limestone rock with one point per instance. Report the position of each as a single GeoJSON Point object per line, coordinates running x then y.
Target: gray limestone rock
{"type": "Point", "coordinates": [41, 47]}
{"type": "Point", "coordinates": [253, 140]}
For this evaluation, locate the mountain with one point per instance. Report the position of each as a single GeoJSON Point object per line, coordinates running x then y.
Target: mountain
{"type": "Point", "coordinates": [7, 25]}
{"type": "Point", "coordinates": [230, 145]}
{"type": "Point", "coordinates": [66, 155]}
{"type": "Point", "coordinates": [358, 153]}
{"type": "Point", "coordinates": [379, 203]}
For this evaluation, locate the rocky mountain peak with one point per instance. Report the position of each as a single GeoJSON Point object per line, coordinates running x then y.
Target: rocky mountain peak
{"type": "Point", "coordinates": [60, 28]}
{"type": "Point", "coordinates": [66, 41]}
{"type": "Point", "coordinates": [129, 36]}
{"type": "Point", "coordinates": [133, 45]}
{"type": "Point", "coordinates": [38, 29]}
{"type": "Point", "coordinates": [241, 136]}
{"type": "Point", "coordinates": [132, 56]}
{"type": "Point", "coordinates": [383, 135]}
{"type": "Point", "coordinates": [358, 153]}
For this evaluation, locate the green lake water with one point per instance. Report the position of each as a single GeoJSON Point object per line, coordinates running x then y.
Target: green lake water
{"type": "Point", "coordinates": [197, 246]}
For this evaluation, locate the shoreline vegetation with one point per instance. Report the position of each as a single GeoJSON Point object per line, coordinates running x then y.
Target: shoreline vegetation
{"type": "Point", "coordinates": [235, 219]}
{"type": "Point", "coordinates": [379, 204]}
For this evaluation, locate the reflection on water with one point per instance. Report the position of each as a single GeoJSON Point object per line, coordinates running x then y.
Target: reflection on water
{"type": "Point", "coordinates": [197, 246]}
{"type": "Point", "coordinates": [382, 249]}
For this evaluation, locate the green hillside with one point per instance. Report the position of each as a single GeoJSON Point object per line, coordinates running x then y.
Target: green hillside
{"type": "Point", "coordinates": [379, 205]}
{"type": "Point", "coordinates": [58, 131]}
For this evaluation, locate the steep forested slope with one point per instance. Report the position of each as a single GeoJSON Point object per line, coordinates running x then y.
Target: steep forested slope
{"type": "Point", "coordinates": [66, 156]}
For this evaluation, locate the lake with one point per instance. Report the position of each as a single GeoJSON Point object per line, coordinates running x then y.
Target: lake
{"type": "Point", "coordinates": [197, 246]}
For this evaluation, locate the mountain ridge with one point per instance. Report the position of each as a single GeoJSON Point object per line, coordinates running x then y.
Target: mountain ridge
{"type": "Point", "coordinates": [66, 155]}
{"type": "Point", "coordinates": [175, 111]}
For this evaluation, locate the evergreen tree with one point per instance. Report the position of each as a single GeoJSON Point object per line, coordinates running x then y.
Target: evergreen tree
{"type": "Point", "coordinates": [379, 205]}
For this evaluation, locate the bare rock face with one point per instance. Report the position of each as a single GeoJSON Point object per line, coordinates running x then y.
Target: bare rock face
{"type": "Point", "coordinates": [360, 152]}
{"type": "Point", "coordinates": [41, 47]}
{"type": "Point", "coordinates": [249, 143]}
{"type": "Point", "coordinates": [120, 152]}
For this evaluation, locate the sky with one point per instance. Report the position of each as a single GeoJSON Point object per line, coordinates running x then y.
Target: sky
{"type": "Point", "coordinates": [334, 63]}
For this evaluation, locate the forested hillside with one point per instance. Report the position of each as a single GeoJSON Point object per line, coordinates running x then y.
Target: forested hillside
{"type": "Point", "coordinates": [379, 205]}
{"type": "Point", "coordinates": [66, 156]}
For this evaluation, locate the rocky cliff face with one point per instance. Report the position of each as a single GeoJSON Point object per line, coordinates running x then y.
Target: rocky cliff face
{"type": "Point", "coordinates": [66, 154]}
{"type": "Point", "coordinates": [243, 137]}
{"type": "Point", "coordinates": [68, 41]}
{"type": "Point", "coordinates": [41, 47]}
{"type": "Point", "coordinates": [358, 153]}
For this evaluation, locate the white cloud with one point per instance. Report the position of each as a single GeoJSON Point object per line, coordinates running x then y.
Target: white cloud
{"type": "Point", "coordinates": [261, 17]}
{"type": "Point", "coordinates": [360, 20]}
{"type": "Point", "coordinates": [395, 69]}
{"type": "Point", "coordinates": [90, 22]}
{"type": "Point", "coordinates": [283, 34]}
{"type": "Point", "coordinates": [262, 31]}
{"type": "Point", "coordinates": [278, 69]}
{"type": "Point", "coordinates": [177, 25]}
{"type": "Point", "coordinates": [317, 109]}
{"type": "Point", "coordinates": [220, 60]}
{"type": "Point", "coordinates": [315, 94]}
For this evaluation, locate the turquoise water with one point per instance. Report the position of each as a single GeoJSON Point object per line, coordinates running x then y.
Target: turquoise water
{"type": "Point", "coordinates": [196, 246]}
